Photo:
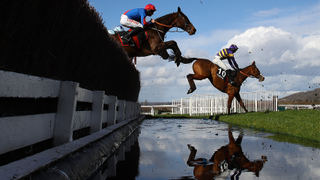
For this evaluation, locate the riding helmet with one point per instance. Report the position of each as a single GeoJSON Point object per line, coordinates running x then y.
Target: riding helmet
{"type": "Point", "coordinates": [233, 46]}
{"type": "Point", "coordinates": [150, 7]}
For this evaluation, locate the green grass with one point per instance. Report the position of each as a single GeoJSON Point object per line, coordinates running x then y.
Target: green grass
{"type": "Point", "coordinates": [303, 124]}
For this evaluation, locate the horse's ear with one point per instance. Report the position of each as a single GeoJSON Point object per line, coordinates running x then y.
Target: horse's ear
{"type": "Point", "coordinates": [254, 63]}
{"type": "Point", "coordinates": [179, 10]}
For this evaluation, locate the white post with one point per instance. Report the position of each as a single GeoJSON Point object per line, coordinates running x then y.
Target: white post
{"type": "Point", "coordinates": [97, 111]}
{"type": "Point", "coordinates": [211, 106]}
{"type": "Point", "coordinates": [63, 130]}
{"type": "Point", "coordinates": [121, 110]}
{"type": "Point", "coordinates": [132, 107]}
{"type": "Point", "coordinates": [127, 110]}
{"type": "Point", "coordinates": [181, 106]}
{"type": "Point", "coordinates": [152, 111]}
{"type": "Point", "coordinates": [275, 103]}
{"type": "Point", "coordinates": [111, 112]}
{"type": "Point", "coordinates": [190, 106]}
{"type": "Point", "coordinates": [256, 105]}
{"type": "Point", "coordinates": [234, 105]}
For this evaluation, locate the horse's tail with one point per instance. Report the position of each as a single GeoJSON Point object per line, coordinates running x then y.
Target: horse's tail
{"type": "Point", "coordinates": [183, 60]}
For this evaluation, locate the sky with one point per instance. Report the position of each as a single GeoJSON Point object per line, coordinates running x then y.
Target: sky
{"type": "Point", "coordinates": [282, 37]}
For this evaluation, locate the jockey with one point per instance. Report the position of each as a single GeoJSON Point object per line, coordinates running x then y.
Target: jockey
{"type": "Point", "coordinates": [227, 53]}
{"type": "Point", "coordinates": [136, 19]}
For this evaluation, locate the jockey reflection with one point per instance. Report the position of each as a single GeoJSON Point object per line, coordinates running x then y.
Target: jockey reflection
{"type": "Point", "coordinates": [226, 158]}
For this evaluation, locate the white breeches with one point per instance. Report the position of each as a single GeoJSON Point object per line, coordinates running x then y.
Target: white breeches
{"type": "Point", "coordinates": [218, 62]}
{"type": "Point", "coordinates": [129, 23]}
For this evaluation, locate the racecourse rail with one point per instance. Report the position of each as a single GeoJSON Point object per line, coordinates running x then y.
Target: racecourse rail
{"type": "Point", "coordinates": [21, 131]}
{"type": "Point", "coordinates": [210, 104]}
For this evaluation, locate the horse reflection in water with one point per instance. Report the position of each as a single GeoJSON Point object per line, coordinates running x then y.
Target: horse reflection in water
{"type": "Point", "coordinates": [226, 158]}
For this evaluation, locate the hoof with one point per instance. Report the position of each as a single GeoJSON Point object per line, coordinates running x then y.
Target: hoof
{"type": "Point", "coordinates": [177, 61]}
{"type": "Point", "coordinates": [190, 91]}
{"type": "Point", "coordinates": [191, 148]}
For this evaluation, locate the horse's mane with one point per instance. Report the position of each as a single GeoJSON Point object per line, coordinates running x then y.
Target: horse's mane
{"type": "Point", "coordinates": [245, 67]}
{"type": "Point", "coordinates": [165, 16]}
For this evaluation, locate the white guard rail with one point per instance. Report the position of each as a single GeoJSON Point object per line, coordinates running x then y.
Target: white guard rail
{"type": "Point", "coordinates": [21, 131]}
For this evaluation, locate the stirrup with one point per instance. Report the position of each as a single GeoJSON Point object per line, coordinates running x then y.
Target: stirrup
{"type": "Point", "coordinates": [233, 83]}
{"type": "Point", "coordinates": [126, 38]}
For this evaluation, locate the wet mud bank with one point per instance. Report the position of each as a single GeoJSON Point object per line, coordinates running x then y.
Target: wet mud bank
{"type": "Point", "coordinates": [75, 160]}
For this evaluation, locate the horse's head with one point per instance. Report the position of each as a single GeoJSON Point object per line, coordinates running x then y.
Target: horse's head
{"type": "Point", "coordinates": [255, 72]}
{"type": "Point", "coordinates": [184, 23]}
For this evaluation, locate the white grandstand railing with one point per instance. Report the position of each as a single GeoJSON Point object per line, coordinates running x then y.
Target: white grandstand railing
{"type": "Point", "coordinates": [210, 104]}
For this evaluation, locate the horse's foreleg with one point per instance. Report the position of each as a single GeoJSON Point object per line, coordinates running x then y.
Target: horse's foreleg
{"type": "Point", "coordinates": [191, 83]}
{"type": "Point", "coordinates": [237, 95]}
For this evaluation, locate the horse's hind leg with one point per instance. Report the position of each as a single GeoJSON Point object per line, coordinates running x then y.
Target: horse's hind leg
{"type": "Point", "coordinates": [237, 95]}
{"type": "Point", "coordinates": [191, 83]}
{"type": "Point", "coordinates": [190, 78]}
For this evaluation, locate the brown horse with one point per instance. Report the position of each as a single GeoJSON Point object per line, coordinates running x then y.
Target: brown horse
{"type": "Point", "coordinates": [155, 44]}
{"type": "Point", "coordinates": [204, 68]}
{"type": "Point", "coordinates": [227, 157]}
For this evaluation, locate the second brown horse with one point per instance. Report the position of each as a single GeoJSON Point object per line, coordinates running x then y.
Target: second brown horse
{"type": "Point", "coordinates": [204, 68]}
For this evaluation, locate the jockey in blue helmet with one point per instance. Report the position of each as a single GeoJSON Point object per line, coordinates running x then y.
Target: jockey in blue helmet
{"type": "Point", "coordinates": [227, 53]}
{"type": "Point", "coordinates": [136, 19]}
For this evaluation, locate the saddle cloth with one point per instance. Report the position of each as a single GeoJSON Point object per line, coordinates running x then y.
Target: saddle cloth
{"type": "Point", "coordinates": [135, 40]}
{"type": "Point", "coordinates": [221, 73]}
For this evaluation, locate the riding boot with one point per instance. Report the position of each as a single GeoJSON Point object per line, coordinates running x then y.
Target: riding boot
{"type": "Point", "coordinates": [132, 33]}
{"type": "Point", "coordinates": [231, 78]}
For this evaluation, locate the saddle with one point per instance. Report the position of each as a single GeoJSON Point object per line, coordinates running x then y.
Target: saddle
{"type": "Point", "coordinates": [135, 41]}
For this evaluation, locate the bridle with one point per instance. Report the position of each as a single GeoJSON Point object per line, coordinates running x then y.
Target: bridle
{"type": "Point", "coordinates": [186, 25]}
{"type": "Point", "coordinates": [259, 75]}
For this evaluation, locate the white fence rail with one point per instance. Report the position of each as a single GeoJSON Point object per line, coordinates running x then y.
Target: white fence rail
{"type": "Point", "coordinates": [21, 131]}
{"type": "Point", "coordinates": [209, 104]}
{"type": "Point", "coordinates": [299, 106]}
{"type": "Point", "coordinates": [152, 111]}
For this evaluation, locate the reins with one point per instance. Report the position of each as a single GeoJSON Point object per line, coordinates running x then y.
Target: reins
{"type": "Point", "coordinates": [163, 24]}
{"type": "Point", "coordinates": [244, 74]}
{"type": "Point", "coordinates": [248, 75]}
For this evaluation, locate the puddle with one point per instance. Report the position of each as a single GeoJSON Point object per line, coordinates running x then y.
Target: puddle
{"type": "Point", "coordinates": [161, 151]}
